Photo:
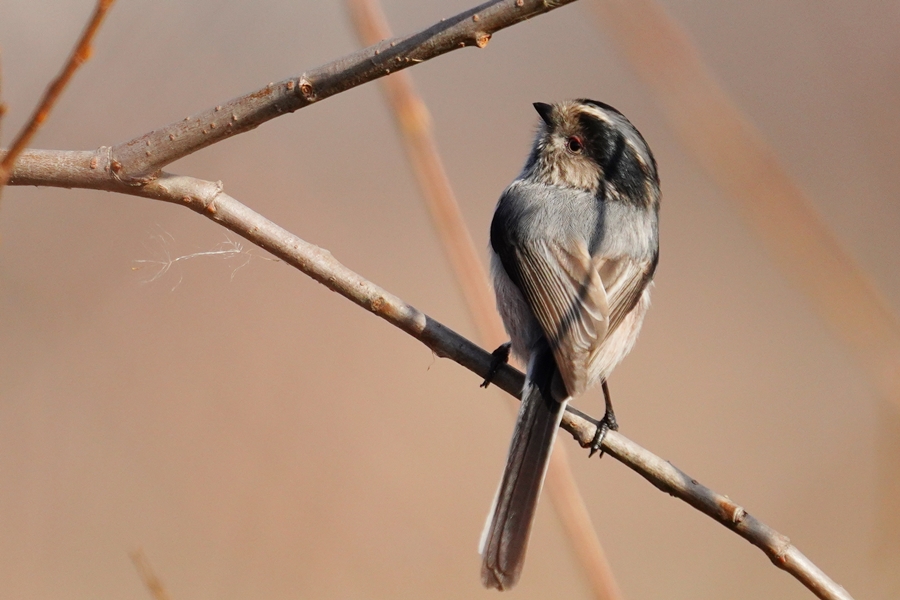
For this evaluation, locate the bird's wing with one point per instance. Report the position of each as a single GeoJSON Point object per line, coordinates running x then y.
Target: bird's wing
{"type": "Point", "coordinates": [624, 280]}
{"type": "Point", "coordinates": [563, 287]}
{"type": "Point", "coordinates": [578, 300]}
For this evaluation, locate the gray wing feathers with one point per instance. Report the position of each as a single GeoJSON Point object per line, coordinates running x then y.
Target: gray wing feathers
{"type": "Point", "coordinates": [567, 296]}
{"type": "Point", "coordinates": [624, 280]}
{"type": "Point", "coordinates": [578, 300]}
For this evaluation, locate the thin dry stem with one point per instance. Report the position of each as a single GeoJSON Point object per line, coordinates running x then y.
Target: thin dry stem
{"type": "Point", "coordinates": [80, 54]}
{"type": "Point", "coordinates": [737, 157]}
{"type": "Point", "coordinates": [148, 576]}
{"type": "Point", "coordinates": [734, 153]}
{"type": "Point", "coordinates": [94, 170]}
{"type": "Point", "coordinates": [414, 124]}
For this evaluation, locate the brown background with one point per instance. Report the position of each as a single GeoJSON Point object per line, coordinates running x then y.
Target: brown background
{"type": "Point", "coordinates": [260, 437]}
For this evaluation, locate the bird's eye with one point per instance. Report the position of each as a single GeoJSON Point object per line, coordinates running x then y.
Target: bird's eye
{"type": "Point", "coordinates": [574, 145]}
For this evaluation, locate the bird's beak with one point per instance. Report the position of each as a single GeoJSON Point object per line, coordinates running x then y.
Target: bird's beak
{"type": "Point", "coordinates": [545, 110]}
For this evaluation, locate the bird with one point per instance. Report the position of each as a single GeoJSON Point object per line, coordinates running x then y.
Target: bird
{"type": "Point", "coordinates": [574, 245]}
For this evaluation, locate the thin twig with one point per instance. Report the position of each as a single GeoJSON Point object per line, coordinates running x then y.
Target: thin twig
{"type": "Point", "coordinates": [95, 171]}
{"type": "Point", "coordinates": [148, 576]}
{"type": "Point", "coordinates": [138, 159]}
{"type": "Point", "coordinates": [737, 157]}
{"type": "Point", "coordinates": [414, 123]}
{"type": "Point", "coordinates": [80, 54]}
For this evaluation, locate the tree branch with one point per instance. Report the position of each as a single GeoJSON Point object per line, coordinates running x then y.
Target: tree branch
{"type": "Point", "coordinates": [79, 56]}
{"type": "Point", "coordinates": [133, 168]}
{"type": "Point", "coordinates": [140, 158]}
{"type": "Point", "coordinates": [414, 124]}
{"type": "Point", "coordinates": [95, 170]}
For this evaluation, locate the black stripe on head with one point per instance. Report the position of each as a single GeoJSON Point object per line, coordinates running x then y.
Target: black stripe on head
{"type": "Point", "coordinates": [621, 165]}
{"type": "Point", "coordinates": [614, 110]}
{"type": "Point", "coordinates": [600, 105]}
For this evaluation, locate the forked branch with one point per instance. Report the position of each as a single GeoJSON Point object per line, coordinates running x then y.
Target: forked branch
{"type": "Point", "coordinates": [78, 57]}
{"type": "Point", "coordinates": [137, 160]}
{"type": "Point", "coordinates": [94, 170]}
{"type": "Point", "coordinates": [133, 168]}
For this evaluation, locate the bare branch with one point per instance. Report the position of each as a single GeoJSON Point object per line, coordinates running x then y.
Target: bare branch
{"type": "Point", "coordinates": [140, 158]}
{"type": "Point", "coordinates": [672, 480]}
{"type": "Point", "coordinates": [95, 171]}
{"type": "Point", "coordinates": [80, 54]}
{"type": "Point", "coordinates": [414, 123]}
{"type": "Point", "coordinates": [132, 168]}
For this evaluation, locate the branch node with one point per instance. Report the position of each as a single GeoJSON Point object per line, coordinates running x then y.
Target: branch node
{"type": "Point", "coordinates": [778, 549]}
{"type": "Point", "coordinates": [306, 90]}
{"type": "Point", "coordinates": [482, 40]}
{"type": "Point", "coordinates": [210, 205]}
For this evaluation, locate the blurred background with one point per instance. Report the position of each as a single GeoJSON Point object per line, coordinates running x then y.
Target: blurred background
{"type": "Point", "coordinates": [259, 436]}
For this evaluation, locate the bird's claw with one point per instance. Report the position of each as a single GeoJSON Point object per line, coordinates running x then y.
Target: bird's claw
{"type": "Point", "coordinates": [499, 357]}
{"type": "Point", "coordinates": [607, 423]}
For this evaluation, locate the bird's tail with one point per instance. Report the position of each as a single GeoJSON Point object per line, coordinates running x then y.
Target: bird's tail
{"type": "Point", "coordinates": [506, 533]}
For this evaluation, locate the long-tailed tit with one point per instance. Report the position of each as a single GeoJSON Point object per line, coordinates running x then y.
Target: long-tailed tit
{"type": "Point", "coordinates": [574, 244]}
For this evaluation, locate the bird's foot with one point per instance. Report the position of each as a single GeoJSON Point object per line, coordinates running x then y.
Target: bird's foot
{"type": "Point", "coordinates": [607, 423]}
{"type": "Point", "coordinates": [499, 357]}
